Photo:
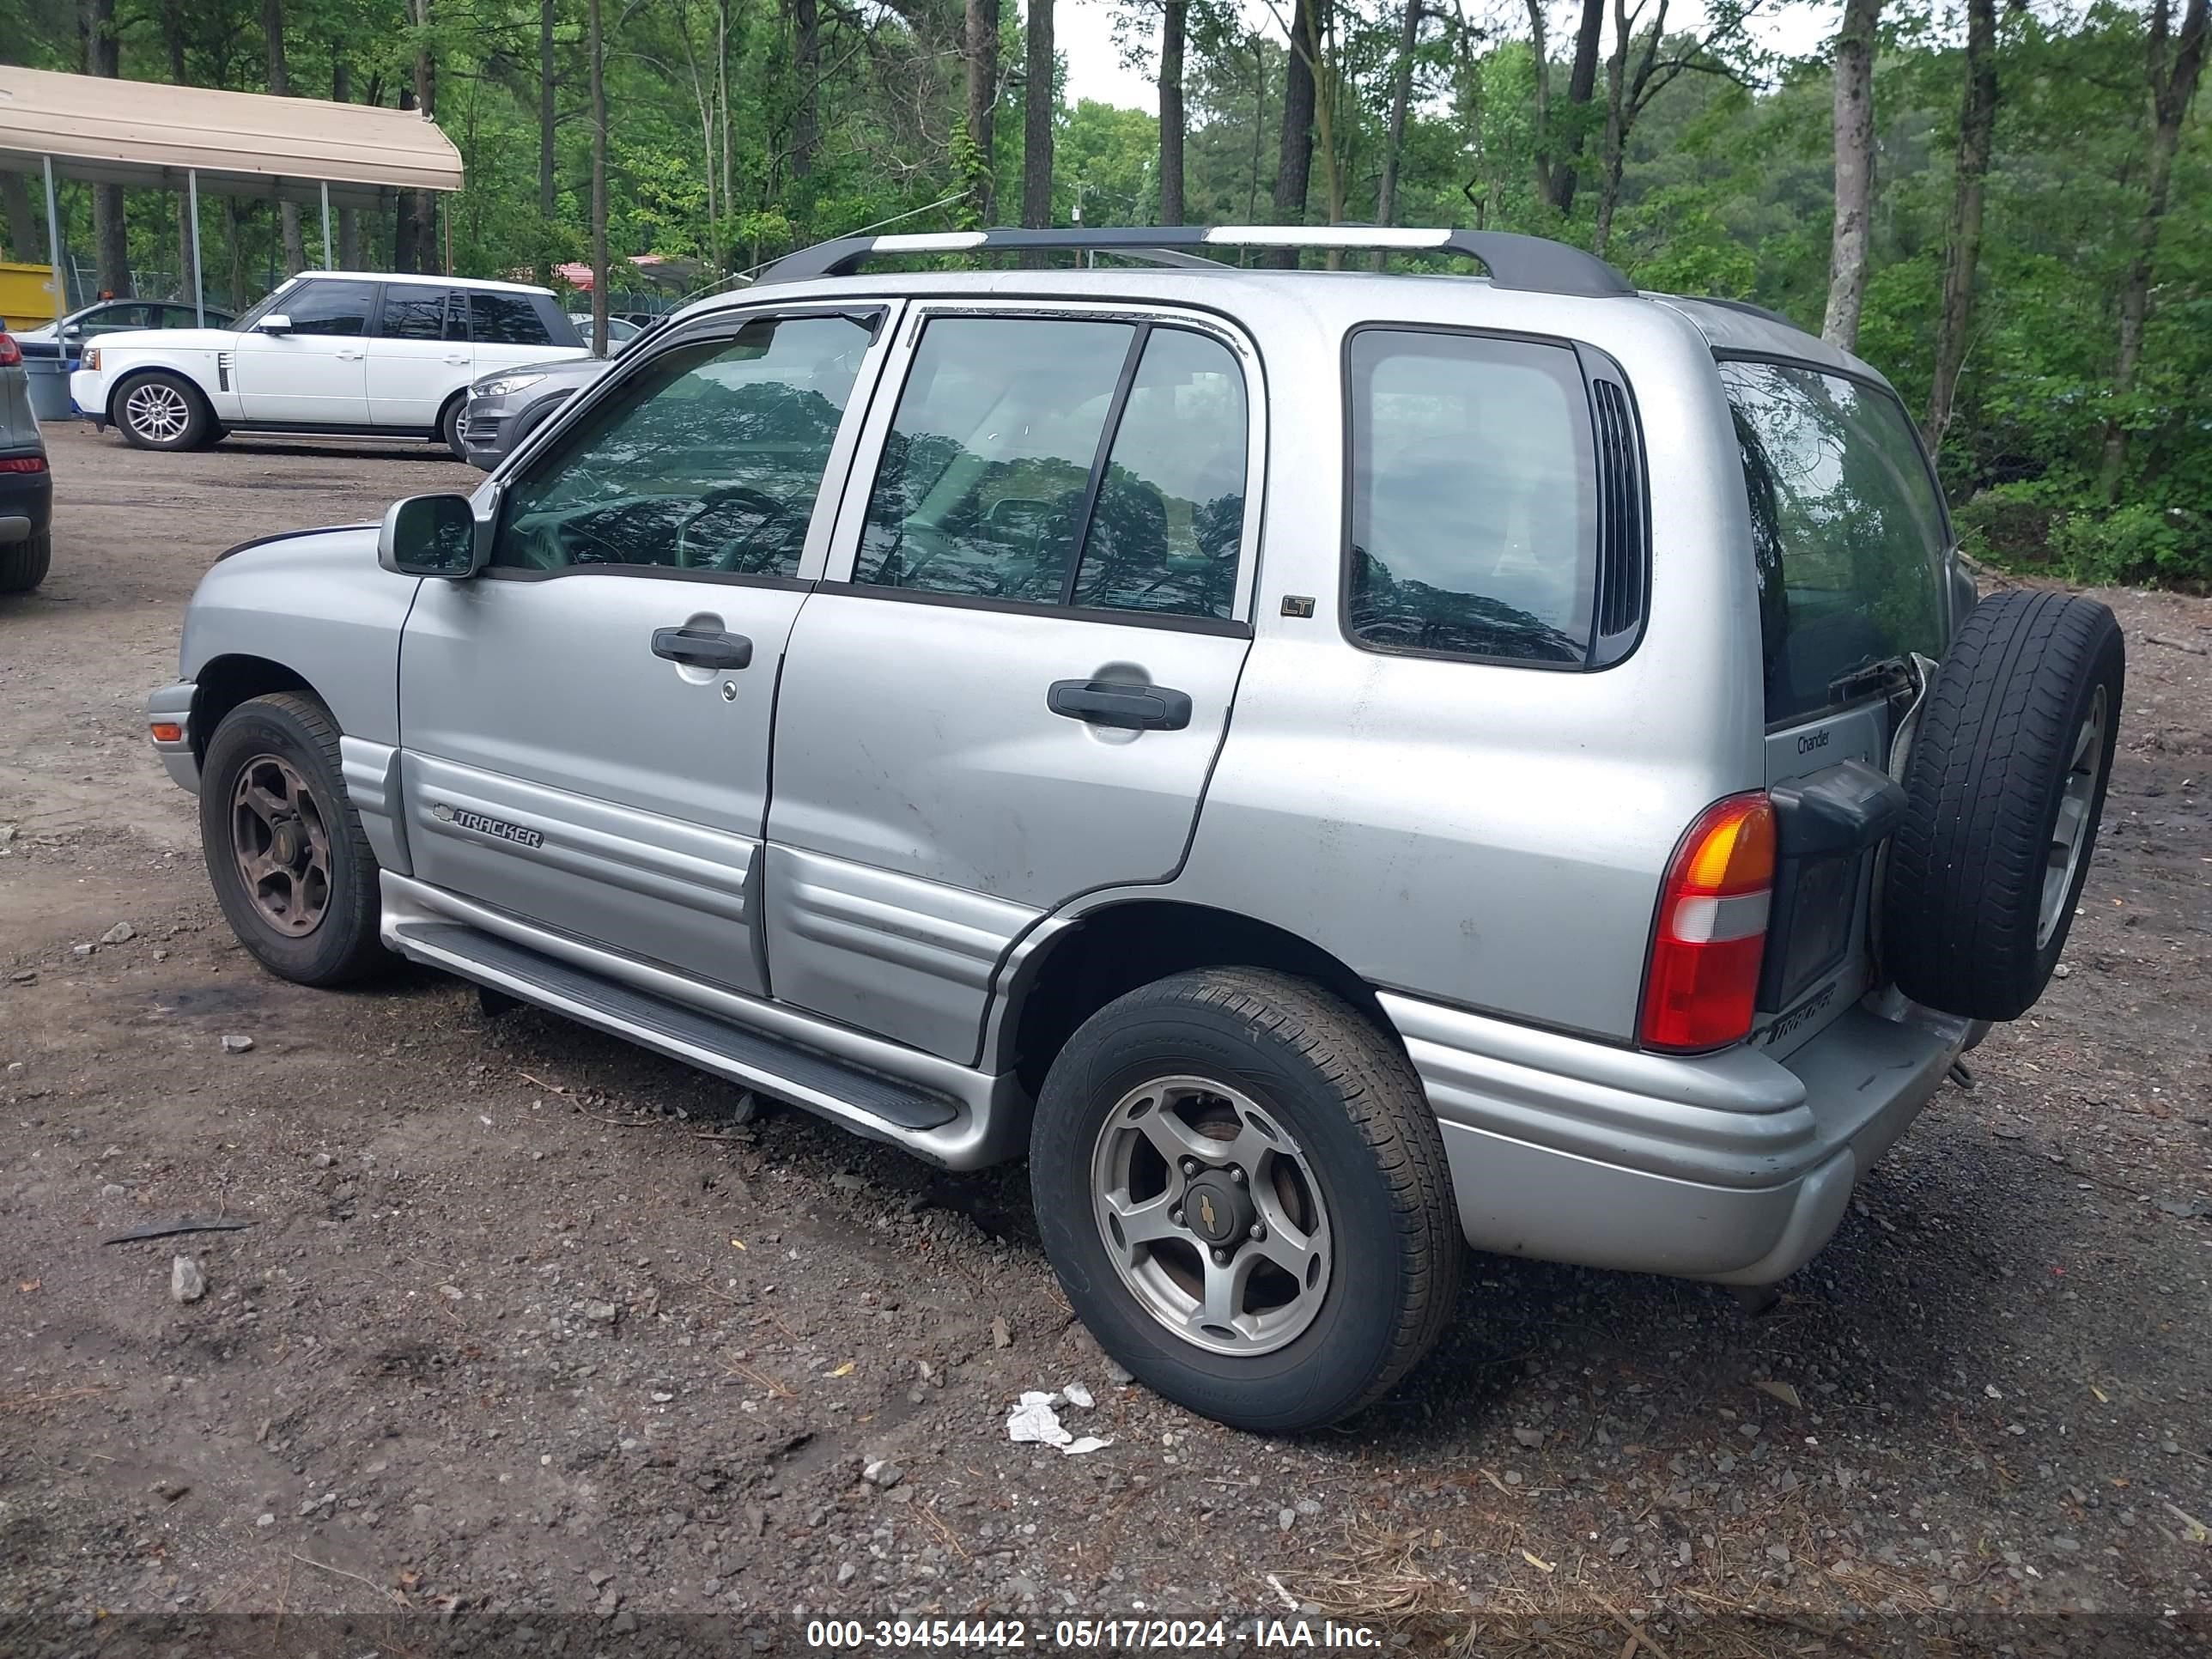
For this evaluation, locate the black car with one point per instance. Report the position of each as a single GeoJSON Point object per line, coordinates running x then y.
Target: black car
{"type": "Point", "coordinates": [27, 487]}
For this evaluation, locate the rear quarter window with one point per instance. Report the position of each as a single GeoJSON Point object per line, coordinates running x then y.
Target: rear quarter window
{"type": "Point", "coordinates": [1473, 498]}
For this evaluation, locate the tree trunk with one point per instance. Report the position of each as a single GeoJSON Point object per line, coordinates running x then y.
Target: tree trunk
{"type": "Point", "coordinates": [598, 55]}
{"type": "Point", "coordinates": [1613, 152]}
{"type": "Point", "coordinates": [1977, 128]}
{"type": "Point", "coordinates": [1173, 24]}
{"type": "Point", "coordinates": [1854, 123]}
{"type": "Point", "coordinates": [24, 242]}
{"type": "Point", "coordinates": [1038, 103]}
{"type": "Point", "coordinates": [2174, 68]}
{"type": "Point", "coordinates": [1582, 90]}
{"type": "Point", "coordinates": [806, 134]}
{"type": "Point", "coordinates": [1540, 115]}
{"type": "Point", "coordinates": [173, 25]}
{"type": "Point", "coordinates": [1294, 153]}
{"type": "Point", "coordinates": [424, 257]}
{"type": "Point", "coordinates": [547, 201]}
{"type": "Point", "coordinates": [981, 50]}
{"type": "Point", "coordinates": [234, 236]}
{"type": "Point", "coordinates": [1259, 124]}
{"type": "Point", "coordinates": [280, 84]}
{"type": "Point", "coordinates": [111, 235]}
{"type": "Point", "coordinates": [404, 203]}
{"type": "Point", "coordinates": [1402, 94]}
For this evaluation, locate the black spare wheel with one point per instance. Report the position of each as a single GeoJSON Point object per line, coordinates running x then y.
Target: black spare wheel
{"type": "Point", "coordinates": [2004, 788]}
{"type": "Point", "coordinates": [284, 847]}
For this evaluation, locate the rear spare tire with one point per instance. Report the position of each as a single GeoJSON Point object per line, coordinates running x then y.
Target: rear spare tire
{"type": "Point", "coordinates": [2004, 788]}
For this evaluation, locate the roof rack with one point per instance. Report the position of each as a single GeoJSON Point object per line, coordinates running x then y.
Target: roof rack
{"type": "Point", "coordinates": [1529, 263]}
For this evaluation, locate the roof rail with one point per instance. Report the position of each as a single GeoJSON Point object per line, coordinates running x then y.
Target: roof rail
{"type": "Point", "coordinates": [1744, 306]}
{"type": "Point", "coordinates": [1531, 263]}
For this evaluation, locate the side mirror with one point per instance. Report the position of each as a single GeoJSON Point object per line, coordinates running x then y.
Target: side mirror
{"type": "Point", "coordinates": [433, 536]}
{"type": "Point", "coordinates": [274, 323]}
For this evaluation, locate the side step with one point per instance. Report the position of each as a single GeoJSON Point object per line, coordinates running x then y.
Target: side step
{"type": "Point", "coordinates": [774, 1067]}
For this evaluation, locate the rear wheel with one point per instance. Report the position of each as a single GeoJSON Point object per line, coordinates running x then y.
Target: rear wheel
{"type": "Point", "coordinates": [285, 851]}
{"type": "Point", "coordinates": [161, 410]}
{"type": "Point", "coordinates": [24, 564]}
{"type": "Point", "coordinates": [1242, 1190]}
{"type": "Point", "coordinates": [2004, 790]}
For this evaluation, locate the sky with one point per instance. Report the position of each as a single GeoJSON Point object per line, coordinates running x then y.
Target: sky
{"type": "Point", "coordinates": [1084, 32]}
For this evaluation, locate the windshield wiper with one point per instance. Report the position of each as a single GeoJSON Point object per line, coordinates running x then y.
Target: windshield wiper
{"type": "Point", "coordinates": [1887, 677]}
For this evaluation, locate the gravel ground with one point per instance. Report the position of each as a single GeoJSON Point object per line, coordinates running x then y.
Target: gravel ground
{"type": "Point", "coordinates": [534, 1344]}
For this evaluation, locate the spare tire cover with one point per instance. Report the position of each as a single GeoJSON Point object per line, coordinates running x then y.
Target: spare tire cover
{"type": "Point", "coordinates": [2004, 788]}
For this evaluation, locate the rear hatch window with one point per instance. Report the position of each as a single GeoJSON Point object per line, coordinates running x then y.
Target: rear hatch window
{"type": "Point", "coordinates": [1847, 530]}
{"type": "Point", "coordinates": [1848, 543]}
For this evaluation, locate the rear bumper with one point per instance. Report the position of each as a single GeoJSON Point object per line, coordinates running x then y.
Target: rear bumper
{"type": "Point", "coordinates": [1735, 1167]}
{"type": "Point", "coordinates": [26, 501]}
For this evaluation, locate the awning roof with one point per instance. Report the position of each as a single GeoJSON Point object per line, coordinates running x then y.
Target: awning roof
{"type": "Point", "coordinates": [241, 143]}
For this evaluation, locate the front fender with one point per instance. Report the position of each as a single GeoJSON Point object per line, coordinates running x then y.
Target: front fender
{"type": "Point", "coordinates": [318, 605]}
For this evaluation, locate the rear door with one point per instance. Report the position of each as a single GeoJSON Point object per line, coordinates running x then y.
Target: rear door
{"type": "Point", "coordinates": [1848, 537]}
{"type": "Point", "coordinates": [587, 724]}
{"type": "Point", "coordinates": [316, 373]}
{"type": "Point", "coordinates": [419, 354]}
{"type": "Point", "coordinates": [1012, 688]}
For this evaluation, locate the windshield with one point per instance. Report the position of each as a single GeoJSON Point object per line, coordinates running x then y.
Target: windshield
{"type": "Point", "coordinates": [1847, 529]}
{"type": "Point", "coordinates": [267, 304]}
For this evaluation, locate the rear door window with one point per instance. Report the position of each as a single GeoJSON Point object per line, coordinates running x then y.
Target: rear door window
{"type": "Point", "coordinates": [498, 319]}
{"type": "Point", "coordinates": [415, 312]}
{"type": "Point", "coordinates": [1847, 529]}
{"type": "Point", "coordinates": [1475, 500]}
{"type": "Point", "coordinates": [1061, 461]}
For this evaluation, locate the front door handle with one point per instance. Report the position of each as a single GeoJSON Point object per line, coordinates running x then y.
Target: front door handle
{"type": "Point", "coordinates": [352, 356]}
{"type": "Point", "coordinates": [1125, 703]}
{"type": "Point", "coordinates": [701, 649]}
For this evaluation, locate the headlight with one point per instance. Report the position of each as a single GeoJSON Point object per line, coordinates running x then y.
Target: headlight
{"type": "Point", "coordinates": [91, 358]}
{"type": "Point", "coordinates": [506, 385]}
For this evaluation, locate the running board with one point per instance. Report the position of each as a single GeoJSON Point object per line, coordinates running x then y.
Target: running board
{"type": "Point", "coordinates": [866, 1101]}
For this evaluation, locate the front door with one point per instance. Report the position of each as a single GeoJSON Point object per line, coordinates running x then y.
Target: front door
{"type": "Point", "coordinates": [314, 373]}
{"type": "Point", "coordinates": [1017, 689]}
{"type": "Point", "coordinates": [587, 724]}
{"type": "Point", "coordinates": [418, 356]}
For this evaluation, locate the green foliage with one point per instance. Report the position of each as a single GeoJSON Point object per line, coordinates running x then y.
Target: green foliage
{"type": "Point", "coordinates": [1725, 187]}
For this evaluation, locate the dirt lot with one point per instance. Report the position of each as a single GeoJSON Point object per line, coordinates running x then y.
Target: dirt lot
{"type": "Point", "coordinates": [529, 1346]}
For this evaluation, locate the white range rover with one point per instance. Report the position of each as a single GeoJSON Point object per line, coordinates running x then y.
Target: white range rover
{"type": "Point", "coordinates": [333, 352]}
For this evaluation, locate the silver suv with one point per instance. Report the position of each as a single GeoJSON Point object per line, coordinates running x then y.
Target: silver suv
{"type": "Point", "coordinates": [1329, 765]}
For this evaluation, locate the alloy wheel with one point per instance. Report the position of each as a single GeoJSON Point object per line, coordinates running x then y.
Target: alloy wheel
{"type": "Point", "coordinates": [1212, 1215]}
{"type": "Point", "coordinates": [2084, 772]}
{"type": "Point", "coordinates": [281, 839]}
{"type": "Point", "coordinates": [157, 411]}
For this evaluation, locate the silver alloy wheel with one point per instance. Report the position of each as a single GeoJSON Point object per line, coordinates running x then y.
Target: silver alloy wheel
{"type": "Point", "coordinates": [157, 411]}
{"type": "Point", "coordinates": [1211, 1215]}
{"type": "Point", "coordinates": [2071, 831]}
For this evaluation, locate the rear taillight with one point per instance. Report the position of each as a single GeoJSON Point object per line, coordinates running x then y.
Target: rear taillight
{"type": "Point", "coordinates": [10, 353]}
{"type": "Point", "coordinates": [23, 464]}
{"type": "Point", "coordinates": [1712, 932]}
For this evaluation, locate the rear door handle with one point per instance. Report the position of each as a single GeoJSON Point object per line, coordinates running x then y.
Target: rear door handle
{"type": "Point", "coordinates": [351, 357]}
{"type": "Point", "coordinates": [701, 649]}
{"type": "Point", "coordinates": [1125, 703]}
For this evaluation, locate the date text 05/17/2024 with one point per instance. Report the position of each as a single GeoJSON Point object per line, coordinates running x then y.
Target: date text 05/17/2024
{"type": "Point", "coordinates": [1294, 1636]}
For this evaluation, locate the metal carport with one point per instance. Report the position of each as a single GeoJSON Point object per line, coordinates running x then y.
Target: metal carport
{"type": "Point", "coordinates": [234, 144]}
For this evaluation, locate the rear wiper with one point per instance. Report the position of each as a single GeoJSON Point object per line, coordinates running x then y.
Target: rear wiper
{"type": "Point", "coordinates": [1888, 677]}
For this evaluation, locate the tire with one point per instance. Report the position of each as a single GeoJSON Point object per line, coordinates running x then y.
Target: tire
{"type": "Point", "coordinates": [1983, 874]}
{"type": "Point", "coordinates": [1319, 1079]}
{"type": "Point", "coordinates": [449, 425]}
{"type": "Point", "coordinates": [161, 410]}
{"type": "Point", "coordinates": [24, 564]}
{"type": "Point", "coordinates": [338, 943]}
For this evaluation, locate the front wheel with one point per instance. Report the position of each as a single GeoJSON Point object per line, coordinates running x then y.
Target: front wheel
{"type": "Point", "coordinates": [285, 851]}
{"type": "Point", "coordinates": [1242, 1190]}
{"type": "Point", "coordinates": [163, 411]}
{"type": "Point", "coordinates": [449, 426]}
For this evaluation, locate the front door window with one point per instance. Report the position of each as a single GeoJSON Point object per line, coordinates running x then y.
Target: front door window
{"type": "Point", "coordinates": [708, 459]}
